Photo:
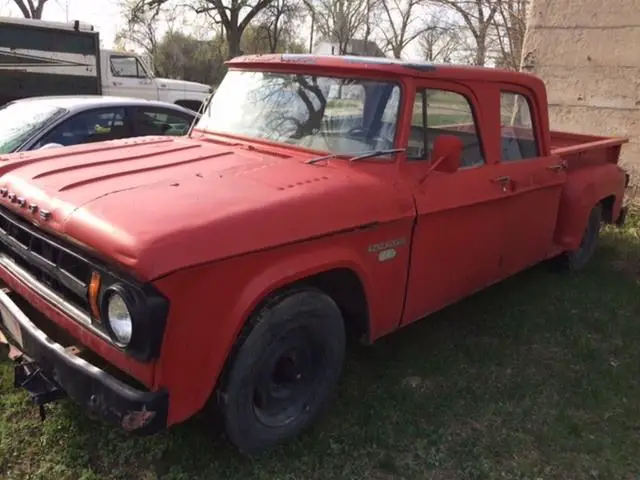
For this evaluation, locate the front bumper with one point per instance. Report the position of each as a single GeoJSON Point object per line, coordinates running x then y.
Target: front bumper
{"type": "Point", "coordinates": [46, 369]}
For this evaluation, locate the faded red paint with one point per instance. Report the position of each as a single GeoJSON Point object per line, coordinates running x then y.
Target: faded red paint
{"type": "Point", "coordinates": [216, 227]}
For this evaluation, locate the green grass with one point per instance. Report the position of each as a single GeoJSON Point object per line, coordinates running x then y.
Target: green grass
{"type": "Point", "coordinates": [537, 377]}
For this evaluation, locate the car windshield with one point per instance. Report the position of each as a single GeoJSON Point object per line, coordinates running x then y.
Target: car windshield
{"type": "Point", "coordinates": [21, 120]}
{"type": "Point", "coordinates": [328, 114]}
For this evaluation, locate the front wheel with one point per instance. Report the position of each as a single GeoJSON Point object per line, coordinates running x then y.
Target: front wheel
{"type": "Point", "coordinates": [577, 259]}
{"type": "Point", "coordinates": [284, 371]}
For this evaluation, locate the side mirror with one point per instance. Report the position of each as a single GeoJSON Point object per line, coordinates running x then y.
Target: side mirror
{"type": "Point", "coordinates": [50, 145]}
{"type": "Point", "coordinates": [446, 153]}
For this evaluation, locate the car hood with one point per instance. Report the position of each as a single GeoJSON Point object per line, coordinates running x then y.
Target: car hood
{"type": "Point", "coordinates": [154, 205]}
{"type": "Point", "coordinates": [182, 85]}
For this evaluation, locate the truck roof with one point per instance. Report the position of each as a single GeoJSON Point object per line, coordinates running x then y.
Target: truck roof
{"type": "Point", "coordinates": [355, 64]}
{"type": "Point", "coordinates": [35, 23]}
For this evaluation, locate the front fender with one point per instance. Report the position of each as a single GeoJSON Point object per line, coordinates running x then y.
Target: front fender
{"type": "Point", "coordinates": [210, 304]}
{"type": "Point", "coordinates": [583, 190]}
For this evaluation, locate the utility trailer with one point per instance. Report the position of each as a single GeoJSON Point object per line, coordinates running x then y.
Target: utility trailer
{"type": "Point", "coordinates": [48, 58]}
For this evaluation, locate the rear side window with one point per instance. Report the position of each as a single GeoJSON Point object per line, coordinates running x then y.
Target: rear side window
{"type": "Point", "coordinates": [155, 121]}
{"type": "Point", "coordinates": [517, 130]}
{"type": "Point", "coordinates": [437, 112]}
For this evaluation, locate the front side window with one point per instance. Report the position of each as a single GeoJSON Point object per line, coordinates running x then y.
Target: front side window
{"type": "Point", "coordinates": [20, 121]}
{"type": "Point", "coordinates": [329, 114]}
{"type": "Point", "coordinates": [438, 112]}
{"type": "Point", "coordinates": [517, 134]}
{"type": "Point", "coordinates": [93, 126]}
{"type": "Point", "coordinates": [126, 66]}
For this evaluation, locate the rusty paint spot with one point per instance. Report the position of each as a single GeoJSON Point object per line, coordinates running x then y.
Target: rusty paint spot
{"type": "Point", "coordinates": [137, 419]}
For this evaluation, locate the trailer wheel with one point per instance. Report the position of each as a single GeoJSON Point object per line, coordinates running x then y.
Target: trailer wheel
{"type": "Point", "coordinates": [577, 259]}
{"type": "Point", "coordinates": [283, 373]}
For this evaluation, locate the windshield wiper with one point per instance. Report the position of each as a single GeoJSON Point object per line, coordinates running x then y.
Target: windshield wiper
{"type": "Point", "coordinates": [356, 156]}
{"type": "Point", "coordinates": [375, 153]}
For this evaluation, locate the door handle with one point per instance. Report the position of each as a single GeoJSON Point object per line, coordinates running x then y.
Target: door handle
{"type": "Point", "coordinates": [558, 166]}
{"type": "Point", "coordinates": [117, 84]}
{"type": "Point", "coordinates": [503, 180]}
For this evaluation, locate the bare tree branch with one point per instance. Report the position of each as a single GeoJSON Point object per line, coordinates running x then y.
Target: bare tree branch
{"type": "Point", "coordinates": [399, 29]}
{"type": "Point", "coordinates": [341, 20]}
{"type": "Point", "coordinates": [478, 16]}
{"type": "Point", "coordinates": [228, 13]}
{"type": "Point", "coordinates": [31, 9]}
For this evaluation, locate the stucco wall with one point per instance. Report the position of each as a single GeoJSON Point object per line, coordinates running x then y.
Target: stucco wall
{"type": "Point", "coordinates": [588, 53]}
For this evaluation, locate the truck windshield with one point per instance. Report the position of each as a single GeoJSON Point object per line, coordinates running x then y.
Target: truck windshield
{"type": "Point", "coordinates": [20, 121]}
{"type": "Point", "coordinates": [329, 114]}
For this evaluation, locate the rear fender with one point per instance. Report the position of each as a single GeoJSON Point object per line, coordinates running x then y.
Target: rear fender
{"type": "Point", "coordinates": [583, 190]}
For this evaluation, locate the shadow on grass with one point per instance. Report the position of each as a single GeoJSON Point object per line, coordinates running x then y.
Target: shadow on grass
{"type": "Point", "coordinates": [537, 376]}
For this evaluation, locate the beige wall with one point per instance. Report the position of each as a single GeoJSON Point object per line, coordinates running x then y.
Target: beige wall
{"type": "Point", "coordinates": [588, 53]}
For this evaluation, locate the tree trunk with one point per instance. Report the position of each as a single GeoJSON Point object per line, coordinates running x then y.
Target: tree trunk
{"type": "Point", "coordinates": [234, 35]}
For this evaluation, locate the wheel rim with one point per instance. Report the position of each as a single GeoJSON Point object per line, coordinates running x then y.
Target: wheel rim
{"type": "Point", "coordinates": [284, 384]}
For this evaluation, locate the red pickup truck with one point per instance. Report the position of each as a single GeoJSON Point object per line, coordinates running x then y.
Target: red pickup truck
{"type": "Point", "coordinates": [317, 199]}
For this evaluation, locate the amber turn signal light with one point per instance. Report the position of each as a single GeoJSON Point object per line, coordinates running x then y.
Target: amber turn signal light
{"type": "Point", "coordinates": [94, 290]}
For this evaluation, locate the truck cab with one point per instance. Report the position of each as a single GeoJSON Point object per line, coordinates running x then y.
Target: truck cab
{"type": "Point", "coordinates": [336, 197]}
{"type": "Point", "coordinates": [124, 74]}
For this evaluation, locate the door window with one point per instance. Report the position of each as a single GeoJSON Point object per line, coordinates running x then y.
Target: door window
{"type": "Point", "coordinates": [437, 112]}
{"type": "Point", "coordinates": [518, 135]}
{"type": "Point", "coordinates": [157, 121]}
{"type": "Point", "coordinates": [92, 126]}
{"type": "Point", "coordinates": [127, 67]}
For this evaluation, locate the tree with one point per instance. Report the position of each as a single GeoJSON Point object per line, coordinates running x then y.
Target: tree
{"type": "Point", "coordinates": [228, 13]}
{"type": "Point", "coordinates": [186, 57]}
{"type": "Point", "coordinates": [31, 8]}
{"type": "Point", "coordinates": [341, 20]}
{"type": "Point", "coordinates": [400, 16]}
{"type": "Point", "coordinates": [439, 42]}
{"type": "Point", "coordinates": [141, 28]}
{"type": "Point", "coordinates": [478, 18]}
{"type": "Point", "coordinates": [510, 25]}
{"type": "Point", "coordinates": [276, 25]}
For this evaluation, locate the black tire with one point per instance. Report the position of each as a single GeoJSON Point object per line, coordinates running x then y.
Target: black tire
{"type": "Point", "coordinates": [577, 259]}
{"type": "Point", "coordinates": [281, 377]}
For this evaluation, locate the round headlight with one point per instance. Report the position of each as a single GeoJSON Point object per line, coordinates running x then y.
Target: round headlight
{"type": "Point", "coordinates": [119, 319]}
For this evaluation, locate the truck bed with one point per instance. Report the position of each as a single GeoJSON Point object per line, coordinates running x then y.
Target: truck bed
{"type": "Point", "coordinates": [581, 150]}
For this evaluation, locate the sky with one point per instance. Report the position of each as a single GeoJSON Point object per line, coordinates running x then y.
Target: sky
{"type": "Point", "coordinates": [104, 15]}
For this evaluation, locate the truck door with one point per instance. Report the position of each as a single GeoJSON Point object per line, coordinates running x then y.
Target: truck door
{"type": "Point", "coordinates": [532, 180]}
{"type": "Point", "coordinates": [128, 78]}
{"type": "Point", "coordinates": [457, 242]}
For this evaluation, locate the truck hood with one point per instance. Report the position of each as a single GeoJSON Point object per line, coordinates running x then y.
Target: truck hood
{"type": "Point", "coordinates": [182, 85]}
{"type": "Point", "coordinates": [154, 205]}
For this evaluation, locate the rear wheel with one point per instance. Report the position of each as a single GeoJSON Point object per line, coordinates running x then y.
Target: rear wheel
{"type": "Point", "coordinates": [577, 259]}
{"type": "Point", "coordinates": [284, 371]}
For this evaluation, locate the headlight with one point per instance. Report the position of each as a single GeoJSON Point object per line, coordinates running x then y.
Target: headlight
{"type": "Point", "coordinates": [119, 318]}
{"type": "Point", "coordinates": [134, 316]}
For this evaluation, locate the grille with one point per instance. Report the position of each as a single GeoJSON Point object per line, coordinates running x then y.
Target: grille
{"type": "Point", "coordinates": [52, 264]}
